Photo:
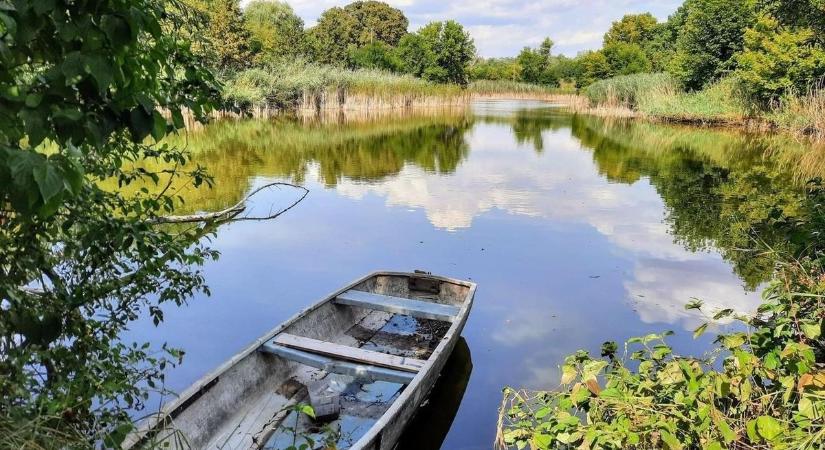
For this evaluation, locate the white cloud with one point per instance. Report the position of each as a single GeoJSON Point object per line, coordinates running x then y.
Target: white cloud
{"type": "Point", "coordinates": [563, 185]}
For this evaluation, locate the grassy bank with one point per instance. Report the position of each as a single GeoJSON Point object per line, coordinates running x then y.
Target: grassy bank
{"type": "Point", "coordinates": [657, 96]}
{"type": "Point", "coordinates": [313, 87]}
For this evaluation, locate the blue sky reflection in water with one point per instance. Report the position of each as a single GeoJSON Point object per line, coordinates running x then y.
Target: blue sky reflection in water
{"type": "Point", "coordinates": [569, 239]}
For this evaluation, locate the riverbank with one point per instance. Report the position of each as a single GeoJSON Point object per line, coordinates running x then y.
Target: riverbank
{"type": "Point", "coordinates": [656, 97]}
{"type": "Point", "coordinates": [311, 88]}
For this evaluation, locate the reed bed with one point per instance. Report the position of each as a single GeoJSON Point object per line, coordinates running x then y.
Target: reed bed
{"type": "Point", "coordinates": [307, 87]}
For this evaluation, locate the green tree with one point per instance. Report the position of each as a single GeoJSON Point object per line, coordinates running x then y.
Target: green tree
{"type": "Point", "coordinates": [83, 84]}
{"type": "Point", "coordinates": [440, 51]}
{"type": "Point", "coordinates": [377, 21]}
{"type": "Point", "coordinates": [341, 31]}
{"type": "Point", "coordinates": [593, 66]}
{"type": "Point", "coordinates": [334, 36]}
{"type": "Point", "coordinates": [777, 60]}
{"type": "Point", "coordinates": [275, 30]}
{"type": "Point", "coordinates": [712, 34]}
{"type": "Point", "coordinates": [376, 55]}
{"type": "Point", "coordinates": [494, 69]}
{"type": "Point", "coordinates": [636, 29]}
{"type": "Point", "coordinates": [626, 59]}
{"type": "Point", "coordinates": [536, 63]}
{"type": "Point", "coordinates": [228, 40]}
{"type": "Point", "coordinates": [799, 13]}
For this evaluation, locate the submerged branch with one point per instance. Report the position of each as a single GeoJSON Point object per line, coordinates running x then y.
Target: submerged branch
{"type": "Point", "coordinates": [232, 212]}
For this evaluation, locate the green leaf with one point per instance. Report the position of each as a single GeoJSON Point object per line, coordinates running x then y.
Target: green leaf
{"type": "Point", "coordinates": [592, 369]}
{"type": "Point", "coordinates": [671, 441]}
{"type": "Point", "coordinates": [159, 126]}
{"type": "Point", "coordinates": [49, 180]}
{"type": "Point", "coordinates": [99, 68]}
{"type": "Point", "coordinates": [307, 409]}
{"type": "Point", "coordinates": [713, 445]}
{"type": "Point", "coordinates": [768, 427]}
{"type": "Point", "coordinates": [812, 330]}
{"type": "Point", "coordinates": [542, 441]}
{"type": "Point", "coordinates": [700, 330]}
{"type": "Point", "coordinates": [117, 30]}
{"type": "Point", "coordinates": [568, 373]}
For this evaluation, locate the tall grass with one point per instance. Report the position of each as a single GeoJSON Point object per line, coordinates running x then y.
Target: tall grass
{"type": "Point", "coordinates": [506, 87]}
{"type": "Point", "coordinates": [722, 101]}
{"type": "Point", "coordinates": [628, 90]}
{"type": "Point", "coordinates": [805, 113]}
{"type": "Point", "coordinates": [659, 96]}
{"type": "Point", "coordinates": [286, 86]}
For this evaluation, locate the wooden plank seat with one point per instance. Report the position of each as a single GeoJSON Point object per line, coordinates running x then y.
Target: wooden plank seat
{"type": "Point", "coordinates": [343, 359]}
{"type": "Point", "coordinates": [398, 305]}
{"type": "Point", "coordinates": [348, 353]}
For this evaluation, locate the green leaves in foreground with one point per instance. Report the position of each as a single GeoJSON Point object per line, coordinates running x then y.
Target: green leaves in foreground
{"type": "Point", "coordinates": [761, 389]}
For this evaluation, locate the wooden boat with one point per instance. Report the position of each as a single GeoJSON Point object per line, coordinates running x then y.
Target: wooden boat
{"type": "Point", "coordinates": [376, 347]}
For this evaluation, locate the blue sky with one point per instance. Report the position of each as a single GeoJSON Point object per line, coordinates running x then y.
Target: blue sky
{"type": "Point", "coordinates": [503, 27]}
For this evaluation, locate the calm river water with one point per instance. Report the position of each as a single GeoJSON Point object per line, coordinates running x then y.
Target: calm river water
{"type": "Point", "coordinates": [577, 230]}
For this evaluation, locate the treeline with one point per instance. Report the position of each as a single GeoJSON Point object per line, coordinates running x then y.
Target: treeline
{"type": "Point", "coordinates": [772, 47]}
{"type": "Point", "coordinates": [363, 34]}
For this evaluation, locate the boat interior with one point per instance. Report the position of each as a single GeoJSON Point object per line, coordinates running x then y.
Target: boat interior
{"type": "Point", "coordinates": [349, 357]}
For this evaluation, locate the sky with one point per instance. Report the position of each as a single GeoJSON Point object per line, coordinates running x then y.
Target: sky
{"type": "Point", "coordinates": [504, 27]}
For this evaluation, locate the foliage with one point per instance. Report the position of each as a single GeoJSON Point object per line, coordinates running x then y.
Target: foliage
{"type": "Point", "coordinates": [332, 36]}
{"type": "Point", "coordinates": [626, 59]}
{"type": "Point", "coordinates": [713, 32]}
{"type": "Point", "coordinates": [377, 21]}
{"type": "Point", "coordinates": [593, 66]}
{"type": "Point", "coordinates": [761, 388]}
{"type": "Point", "coordinates": [274, 29]}
{"type": "Point", "coordinates": [82, 85]}
{"type": "Point", "coordinates": [535, 64]}
{"type": "Point", "coordinates": [777, 61]}
{"type": "Point", "coordinates": [494, 69]}
{"type": "Point", "coordinates": [341, 31]}
{"type": "Point", "coordinates": [228, 40]}
{"type": "Point", "coordinates": [799, 13]}
{"type": "Point", "coordinates": [376, 55]}
{"type": "Point", "coordinates": [440, 52]}
{"type": "Point", "coordinates": [632, 29]}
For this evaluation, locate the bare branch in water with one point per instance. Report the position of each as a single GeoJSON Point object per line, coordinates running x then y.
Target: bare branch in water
{"type": "Point", "coordinates": [231, 213]}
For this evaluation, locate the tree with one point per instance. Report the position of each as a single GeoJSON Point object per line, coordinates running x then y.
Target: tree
{"type": "Point", "coordinates": [377, 21]}
{"type": "Point", "coordinates": [225, 32]}
{"type": "Point", "coordinates": [494, 69]}
{"type": "Point", "coordinates": [777, 60]}
{"type": "Point", "coordinates": [83, 84]}
{"type": "Point", "coordinates": [594, 66]}
{"type": "Point", "coordinates": [440, 51]}
{"type": "Point", "coordinates": [712, 34]}
{"type": "Point", "coordinates": [275, 30]}
{"type": "Point", "coordinates": [636, 29]}
{"type": "Point", "coordinates": [333, 36]}
{"type": "Point", "coordinates": [341, 31]}
{"type": "Point", "coordinates": [535, 64]}
{"type": "Point", "coordinates": [626, 59]}
{"type": "Point", "coordinates": [799, 13]}
{"type": "Point", "coordinates": [376, 55]}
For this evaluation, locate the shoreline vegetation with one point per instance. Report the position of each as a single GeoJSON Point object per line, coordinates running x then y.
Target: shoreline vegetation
{"type": "Point", "coordinates": [657, 97]}
{"type": "Point", "coordinates": [309, 88]}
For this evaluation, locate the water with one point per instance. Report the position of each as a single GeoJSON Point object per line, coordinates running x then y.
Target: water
{"type": "Point", "coordinates": [577, 230]}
